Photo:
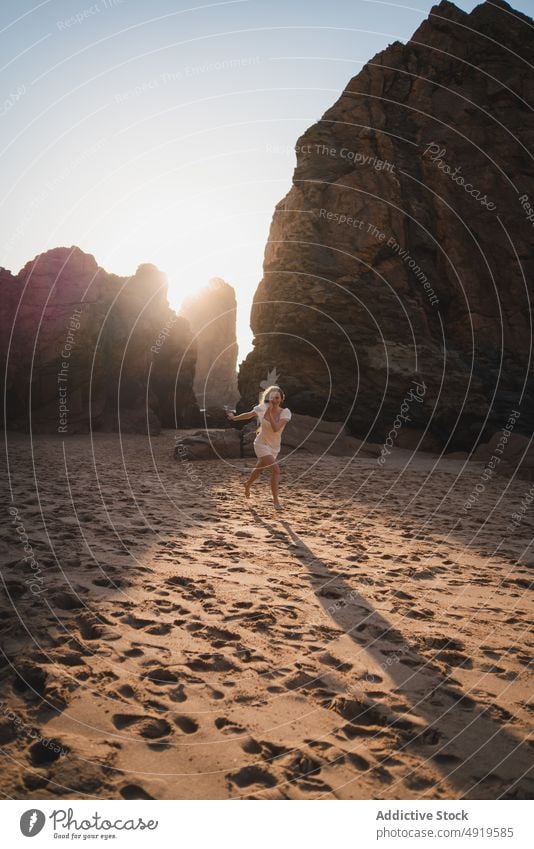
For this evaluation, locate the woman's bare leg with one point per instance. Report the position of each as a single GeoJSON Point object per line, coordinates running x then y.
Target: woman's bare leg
{"type": "Point", "coordinates": [255, 473]}
{"type": "Point", "coordinates": [275, 480]}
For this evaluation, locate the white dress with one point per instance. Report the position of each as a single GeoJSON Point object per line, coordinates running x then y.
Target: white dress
{"type": "Point", "coordinates": [268, 441]}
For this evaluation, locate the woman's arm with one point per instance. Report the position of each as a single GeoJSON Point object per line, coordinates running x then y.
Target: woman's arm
{"type": "Point", "coordinates": [242, 417]}
{"type": "Point", "coordinates": [276, 427]}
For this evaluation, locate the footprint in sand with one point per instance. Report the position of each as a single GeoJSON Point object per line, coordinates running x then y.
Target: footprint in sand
{"type": "Point", "coordinates": [178, 694]}
{"type": "Point", "coordinates": [186, 724]}
{"type": "Point", "coordinates": [134, 652]}
{"type": "Point", "coordinates": [146, 726]}
{"type": "Point", "coordinates": [329, 660]}
{"type": "Point", "coordinates": [137, 623]}
{"type": "Point", "coordinates": [160, 630]}
{"type": "Point", "coordinates": [228, 726]}
{"type": "Point", "coordinates": [41, 755]}
{"type": "Point", "coordinates": [216, 694]}
{"type": "Point", "coordinates": [66, 601]}
{"type": "Point", "coordinates": [357, 761]}
{"type": "Point", "coordinates": [69, 659]}
{"type": "Point", "coordinates": [454, 658]}
{"type": "Point", "coordinates": [300, 765]}
{"type": "Point", "coordinates": [134, 791]}
{"type": "Point", "coordinates": [210, 663]}
{"type": "Point", "coordinates": [419, 782]}
{"type": "Point", "coordinates": [127, 691]}
{"type": "Point", "coordinates": [161, 675]}
{"type": "Point", "coordinates": [249, 775]}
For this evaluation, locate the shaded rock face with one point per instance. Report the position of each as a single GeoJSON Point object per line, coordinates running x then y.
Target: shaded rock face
{"type": "Point", "coordinates": [212, 316]}
{"type": "Point", "coordinates": [313, 436]}
{"type": "Point", "coordinates": [303, 433]}
{"type": "Point", "coordinates": [402, 253]}
{"type": "Point", "coordinates": [90, 350]}
{"type": "Point", "coordinates": [208, 444]}
{"type": "Point", "coordinates": [512, 456]}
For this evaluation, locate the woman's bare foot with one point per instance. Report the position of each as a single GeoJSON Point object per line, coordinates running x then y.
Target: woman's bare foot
{"type": "Point", "coordinates": [247, 489]}
{"type": "Point", "coordinates": [277, 506]}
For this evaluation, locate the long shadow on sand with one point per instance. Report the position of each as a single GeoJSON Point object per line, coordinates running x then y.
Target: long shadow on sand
{"type": "Point", "coordinates": [476, 754]}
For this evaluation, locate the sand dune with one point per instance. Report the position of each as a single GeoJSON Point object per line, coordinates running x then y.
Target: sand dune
{"type": "Point", "coordinates": [171, 641]}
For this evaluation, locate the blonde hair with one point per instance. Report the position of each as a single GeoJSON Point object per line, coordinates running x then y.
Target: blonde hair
{"type": "Point", "coordinates": [270, 389]}
{"type": "Point", "coordinates": [264, 395]}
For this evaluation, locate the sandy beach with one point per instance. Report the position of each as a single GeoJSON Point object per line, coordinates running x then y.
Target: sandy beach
{"type": "Point", "coordinates": [166, 639]}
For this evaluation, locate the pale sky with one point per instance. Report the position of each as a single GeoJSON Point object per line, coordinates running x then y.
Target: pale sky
{"type": "Point", "coordinates": [163, 132]}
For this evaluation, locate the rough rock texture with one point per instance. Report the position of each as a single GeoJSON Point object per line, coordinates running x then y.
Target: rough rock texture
{"type": "Point", "coordinates": [314, 436]}
{"type": "Point", "coordinates": [424, 279]}
{"type": "Point", "coordinates": [208, 445]}
{"type": "Point", "coordinates": [212, 316]}
{"type": "Point", "coordinates": [512, 457]}
{"type": "Point", "coordinates": [302, 433]}
{"type": "Point", "coordinates": [87, 349]}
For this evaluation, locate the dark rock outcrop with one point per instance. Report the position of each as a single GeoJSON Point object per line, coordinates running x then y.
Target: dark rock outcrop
{"type": "Point", "coordinates": [403, 251]}
{"type": "Point", "coordinates": [313, 436]}
{"type": "Point", "coordinates": [212, 316]}
{"type": "Point", "coordinates": [208, 444]}
{"type": "Point", "coordinates": [83, 349]}
{"type": "Point", "coordinates": [303, 433]}
{"type": "Point", "coordinates": [510, 457]}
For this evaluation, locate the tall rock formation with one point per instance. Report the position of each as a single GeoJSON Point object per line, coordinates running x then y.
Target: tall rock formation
{"type": "Point", "coordinates": [212, 316]}
{"type": "Point", "coordinates": [83, 349]}
{"type": "Point", "coordinates": [398, 275]}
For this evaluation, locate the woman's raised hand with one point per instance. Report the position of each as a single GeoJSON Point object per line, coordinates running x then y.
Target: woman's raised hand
{"type": "Point", "coordinates": [230, 416]}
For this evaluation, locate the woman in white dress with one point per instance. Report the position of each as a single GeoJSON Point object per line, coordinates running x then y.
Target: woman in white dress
{"type": "Point", "coordinates": [273, 418]}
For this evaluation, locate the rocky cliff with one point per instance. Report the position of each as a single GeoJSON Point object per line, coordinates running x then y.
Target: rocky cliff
{"type": "Point", "coordinates": [398, 274]}
{"type": "Point", "coordinates": [83, 349]}
{"type": "Point", "coordinates": [212, 316]}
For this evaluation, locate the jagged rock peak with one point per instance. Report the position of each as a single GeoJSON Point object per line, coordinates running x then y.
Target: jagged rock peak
{"type": "Point", "coordinates": [211, 313]}
{"type": "Point", "coordinates": [89, 349]}
{"type": "Point", "coordinates": [393, 258]}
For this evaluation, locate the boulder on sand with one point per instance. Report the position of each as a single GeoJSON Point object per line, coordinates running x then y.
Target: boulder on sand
{"type": "Point", "coordinates": [215, 417]}
{"type": "Point", "coordinates": [315, 436]}
{"type": "Point", "coordinates": [208, 445]}
{"type": "Point", "coordinates": [512, 454]}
